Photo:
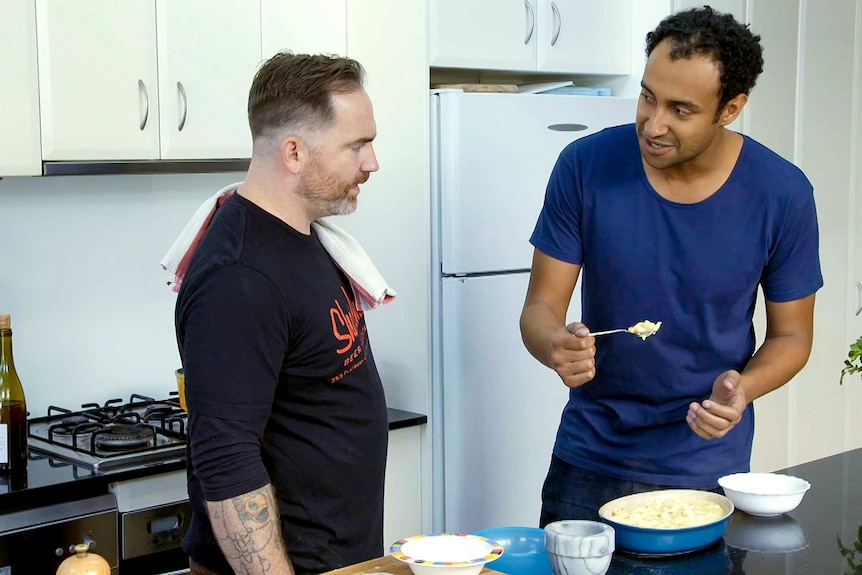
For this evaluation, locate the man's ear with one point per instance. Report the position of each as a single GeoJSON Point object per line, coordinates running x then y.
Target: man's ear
{"type": "Point", "coordinates": [732, 109]}
{"type": "Point", "coordinates": [294, 152]}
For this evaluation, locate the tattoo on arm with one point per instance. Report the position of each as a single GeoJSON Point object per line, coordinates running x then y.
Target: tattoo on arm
{"type": "Point", "coordinates": [247, 529]}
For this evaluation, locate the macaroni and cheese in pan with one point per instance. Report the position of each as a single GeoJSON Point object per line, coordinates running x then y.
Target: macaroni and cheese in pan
{"type": "Point", "coordinates": [669, 513]}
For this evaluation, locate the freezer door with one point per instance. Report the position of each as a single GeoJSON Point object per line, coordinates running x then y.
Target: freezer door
{"type": "Point", "coordinates": [501, 407]}
{"type": "Point", "coordinates": [494, 153]}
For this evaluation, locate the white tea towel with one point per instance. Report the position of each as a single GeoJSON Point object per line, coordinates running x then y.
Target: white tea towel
{"type": "Point", "coordinates": [369, 287]}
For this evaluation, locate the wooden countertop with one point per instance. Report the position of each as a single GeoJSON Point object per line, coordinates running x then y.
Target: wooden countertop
{"type": "Point", "coordinates": [386, 565]}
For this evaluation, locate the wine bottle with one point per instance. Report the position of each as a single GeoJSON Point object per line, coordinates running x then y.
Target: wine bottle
{"type": "Point", "coordinates": [13, 407]}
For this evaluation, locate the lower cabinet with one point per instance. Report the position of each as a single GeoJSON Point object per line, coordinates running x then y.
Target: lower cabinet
{"type": "Point", "coordinates": [402, 507]}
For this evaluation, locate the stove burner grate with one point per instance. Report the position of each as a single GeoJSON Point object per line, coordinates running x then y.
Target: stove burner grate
{"type": "Point", "coordinates": [123, 436]}
{"type": "Point", "coordinates": [101, 436]}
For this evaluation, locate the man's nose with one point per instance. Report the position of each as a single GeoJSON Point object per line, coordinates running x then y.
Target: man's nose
{"type": "Point", "coordinates": [656, 124]}
{"type": "Point", "coordinates": [369, 164]}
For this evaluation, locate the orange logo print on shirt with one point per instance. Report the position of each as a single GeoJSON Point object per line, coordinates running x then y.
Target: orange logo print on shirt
{"type": "Point", "coordinates": [345, 328]}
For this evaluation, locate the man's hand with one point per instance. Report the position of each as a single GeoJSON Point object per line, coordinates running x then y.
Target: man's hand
{"type": "Point", "coordinates": [715, 416]}
{"type": "Point", "coordinates": [573, 354]}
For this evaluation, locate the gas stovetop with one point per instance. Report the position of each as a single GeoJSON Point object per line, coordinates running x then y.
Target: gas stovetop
{"type": "Point", "coordinates": [114, 434]}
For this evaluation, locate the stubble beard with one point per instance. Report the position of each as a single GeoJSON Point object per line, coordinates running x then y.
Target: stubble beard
{"type": "Point", "coordinates": [327, 195]}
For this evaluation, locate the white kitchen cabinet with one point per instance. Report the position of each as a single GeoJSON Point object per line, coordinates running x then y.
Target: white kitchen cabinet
{"type": "Point", "coordinates": [585, 36]}
{"type": "Point", "coordinates": [402, 506]}
{"type": "Point", "coordinates": [304, 26]}
{"type": "Point", "coordinates": [20, 152]}
{"type": "Point", "coordinates": [146, 79]}
{"type": "Point", "coordinates": [208, 52]}
{"type": "Point", "coordinates": [98, 79]}
{"type": "Point", "coordinates": [483, 34]}
{"type": "Point", "coordinates": [567, 36]}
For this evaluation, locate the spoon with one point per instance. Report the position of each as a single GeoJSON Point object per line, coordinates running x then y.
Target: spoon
{"type": "Point", "coordinates": [642, 329]}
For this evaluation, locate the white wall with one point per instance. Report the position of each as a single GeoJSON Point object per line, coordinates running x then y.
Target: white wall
{"type": "Point", "coordinates": [394, 222]}
{"type": "Point", "coordinates": [92, 316]}
{"type": "Point", "coordinates": [803, 107]}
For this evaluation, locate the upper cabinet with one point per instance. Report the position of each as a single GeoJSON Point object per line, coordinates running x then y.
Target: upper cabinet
{"type": "Point", "coordinates": [208, 52]}
{"type": "Point", "coordinates": [20, 153]}
{"type": "Point", "coordinates": [559, 36]}
{"type": "Point", "coordinates": [304, 26]}
{"type": "Point", "coordinates": [112, 88]}
{"type": "Point", "coordinates": [585, 36]}
{"type": "Point", "coordinates": [485, 34]}
{"type": "Point", "coordinates": [99, 80]}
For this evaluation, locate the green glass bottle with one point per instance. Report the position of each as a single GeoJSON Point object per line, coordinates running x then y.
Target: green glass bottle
{"type": "Point", "coordinates": [13, 407]}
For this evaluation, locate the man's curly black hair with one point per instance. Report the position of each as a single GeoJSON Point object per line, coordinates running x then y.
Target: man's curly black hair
{"type": "Point", "coordinates": [731, 45]}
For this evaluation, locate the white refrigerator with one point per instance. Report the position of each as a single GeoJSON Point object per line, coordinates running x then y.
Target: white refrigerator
{"type": "Point", "coordinates": [495, 408]}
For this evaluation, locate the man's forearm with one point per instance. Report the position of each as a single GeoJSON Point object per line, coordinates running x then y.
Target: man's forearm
{"type": "Point", "coordinates": [248, 531]}
{"type": "Point", "coordinates": [538, 326]}
{"type": "Point", "coordinates": [774, 364]}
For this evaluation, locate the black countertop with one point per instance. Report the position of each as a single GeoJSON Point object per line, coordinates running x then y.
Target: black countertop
{"type": "Point", "coordinates": [50, 480]}
{"type": "Point", "coordinates": [809, 539]}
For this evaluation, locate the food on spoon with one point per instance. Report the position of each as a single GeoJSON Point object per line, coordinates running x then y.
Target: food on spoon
{"type": "Point", "coordinates": [644, 329]}
{"type": "Point", "coordinates": [670, 513]}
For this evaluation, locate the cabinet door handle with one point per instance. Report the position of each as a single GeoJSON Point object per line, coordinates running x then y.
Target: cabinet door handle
{"type": "Point", "coordinates": [531, 21]}
{"type": "Point", "coordinates": [558, 23]}
{"type": "Point", "coordinates": [185, 108]}
{"type": "Point", "coordinates": [859, 297]}
{"type": "Point", "coordinates": [143, 89]}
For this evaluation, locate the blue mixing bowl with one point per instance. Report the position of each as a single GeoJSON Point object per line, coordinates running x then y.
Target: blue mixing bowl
{"type": "Point", "coordinates": [523, 550]}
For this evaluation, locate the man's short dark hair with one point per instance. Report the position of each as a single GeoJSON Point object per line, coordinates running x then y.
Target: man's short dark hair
{"type": "Point", "coordinates": [294, 90]}
{"type": "Point", "coordinates": [704, 32]}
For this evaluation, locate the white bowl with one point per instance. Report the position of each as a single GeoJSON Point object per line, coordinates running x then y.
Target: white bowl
{"type": "Point", "coordinates": [764, 494]}
{"type": "Point", "coordinates": [446, 553]}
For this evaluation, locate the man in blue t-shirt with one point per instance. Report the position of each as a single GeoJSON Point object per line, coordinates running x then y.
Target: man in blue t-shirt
{"type": "Point", "coordinates": [673, 219]}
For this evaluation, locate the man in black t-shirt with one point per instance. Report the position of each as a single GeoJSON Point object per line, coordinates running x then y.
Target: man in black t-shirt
{"type": "Point", "coordinates": [287, 416]}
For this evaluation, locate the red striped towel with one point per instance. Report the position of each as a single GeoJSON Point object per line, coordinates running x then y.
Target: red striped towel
{"type": "Point", "coordinates": [369, 287]}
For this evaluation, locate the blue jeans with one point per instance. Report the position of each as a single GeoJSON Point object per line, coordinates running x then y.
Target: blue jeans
{"type": "Point", "coordinates": [574, 493]}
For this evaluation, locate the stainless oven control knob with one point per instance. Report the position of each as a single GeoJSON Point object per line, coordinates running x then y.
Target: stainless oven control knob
{"type": "Point", "coordinates": [84, 563]}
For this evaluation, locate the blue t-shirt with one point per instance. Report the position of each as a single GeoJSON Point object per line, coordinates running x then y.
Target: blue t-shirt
{"type": "Point", "coordinates": [694, 267]}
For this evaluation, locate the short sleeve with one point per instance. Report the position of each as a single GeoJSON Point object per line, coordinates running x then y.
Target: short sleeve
{"type": "Point", "coordinates": [793, 270]}
{"type": "Point", "coordinates": [558, 229]}
{"type": "Point", "coordinates": [234, 340]}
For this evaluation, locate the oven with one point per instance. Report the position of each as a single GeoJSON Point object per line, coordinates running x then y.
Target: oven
{"type": "Point", "coordinates": [37, 540]}
{"type": "Point", "coordinates": [150, 512]}
{"type": "Point", "coordinates": [153, 517]}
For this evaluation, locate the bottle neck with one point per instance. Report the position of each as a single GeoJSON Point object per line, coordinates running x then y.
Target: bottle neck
{"type": "Point", "coordinates": [6, 349]}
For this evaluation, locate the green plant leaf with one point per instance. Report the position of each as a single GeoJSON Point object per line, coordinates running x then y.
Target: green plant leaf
{"type": "Point", "coordinates": [853, 363]}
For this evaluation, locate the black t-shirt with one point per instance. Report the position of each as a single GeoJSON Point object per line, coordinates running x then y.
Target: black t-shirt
{"type": "Point", "coordinates": [281, 387]}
